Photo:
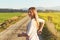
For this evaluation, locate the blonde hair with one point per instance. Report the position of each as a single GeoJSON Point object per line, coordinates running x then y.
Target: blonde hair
{"type": "Point", "coordinates": [35, 15]}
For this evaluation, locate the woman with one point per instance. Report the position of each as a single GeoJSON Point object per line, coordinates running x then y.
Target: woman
{"type": "Point", "coordinates": [33, 27]}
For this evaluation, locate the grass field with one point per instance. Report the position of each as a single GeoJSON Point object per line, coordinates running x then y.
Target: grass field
{"type": "Point", "coordinates": [5, 16]}
{"type": "Point", "coordinates": [7, 19]}
{"type": "Point", "coordinates": [54, 17]}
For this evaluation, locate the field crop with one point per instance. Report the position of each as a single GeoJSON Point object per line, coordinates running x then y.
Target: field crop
{"type": "Point", "coordinates": [7, 19]}
{"type": "Point", "coordinates": [53, 17]}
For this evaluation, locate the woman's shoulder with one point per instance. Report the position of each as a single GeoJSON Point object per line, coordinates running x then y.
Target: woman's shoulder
{"type": "Point", "coordinates": [31, 21]}
{"type": "Point", "coordinates": [41, 20]}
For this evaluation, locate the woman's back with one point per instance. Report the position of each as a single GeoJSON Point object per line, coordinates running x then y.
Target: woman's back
{"type": "Point", "coordinates": [31, 26]}
{"type": "Point", "coordinates": [32, 29]}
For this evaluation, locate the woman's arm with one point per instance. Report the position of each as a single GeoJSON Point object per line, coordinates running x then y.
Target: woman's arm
{"type": "Point", "coordinates": [42, 22]}
{"type": "Point", "coordinates": [23, 34]}
{"type": "Point", "coordinates": [41, 26]}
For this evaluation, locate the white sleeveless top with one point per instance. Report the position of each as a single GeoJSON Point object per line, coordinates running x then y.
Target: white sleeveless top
{"type": "Point", "coordinates": [32, 29]}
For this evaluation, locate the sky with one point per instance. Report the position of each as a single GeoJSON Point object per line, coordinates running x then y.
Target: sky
{"type": "Point", "coordinates": [18, 4]}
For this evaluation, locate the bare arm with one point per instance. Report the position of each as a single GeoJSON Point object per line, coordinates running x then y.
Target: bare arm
{"type": "Point", "coordinates": [41, 27]}
{"type": "Point", "coordinates": [23, 34]}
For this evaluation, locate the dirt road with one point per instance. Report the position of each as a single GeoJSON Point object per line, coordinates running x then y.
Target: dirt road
{"type": "Point", "coordinates": [12, 32]}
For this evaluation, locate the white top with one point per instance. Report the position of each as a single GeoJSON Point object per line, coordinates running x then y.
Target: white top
{"type": "Point", "coordinates": [32, 30]}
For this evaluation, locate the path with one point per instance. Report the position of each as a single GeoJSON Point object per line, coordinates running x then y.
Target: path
{"type": "Point", "coordinates": [12, 32]}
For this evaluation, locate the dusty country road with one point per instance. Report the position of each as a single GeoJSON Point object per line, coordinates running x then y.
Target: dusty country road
{"type": "Point", "coordinates": [12, 32]}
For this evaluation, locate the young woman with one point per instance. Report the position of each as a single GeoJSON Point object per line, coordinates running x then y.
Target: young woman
{"type": "Point", "coordinates": [34, 27]}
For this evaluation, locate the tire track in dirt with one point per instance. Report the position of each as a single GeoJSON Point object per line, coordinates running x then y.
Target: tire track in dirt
{"type": "Point", "coordinates": [12, 32]}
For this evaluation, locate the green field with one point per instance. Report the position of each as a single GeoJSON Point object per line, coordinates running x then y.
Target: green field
{"type": "Point", "coordinates": [5, 16]}
{"type": "Point", "coordinates": [54, 17]}
{"type": "Point", "coordinates": [7, 19]}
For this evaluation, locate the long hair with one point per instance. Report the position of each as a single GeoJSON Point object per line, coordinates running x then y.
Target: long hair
{"type": "Point", "coordinates": [35, 15]}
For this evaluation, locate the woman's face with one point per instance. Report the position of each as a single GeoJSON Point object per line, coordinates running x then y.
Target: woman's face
{"type": "Point", "coordinates": [31, 13]}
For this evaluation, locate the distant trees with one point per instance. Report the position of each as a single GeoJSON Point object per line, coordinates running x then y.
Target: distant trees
{"type": "Point", "coordinates": [23, 10]}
